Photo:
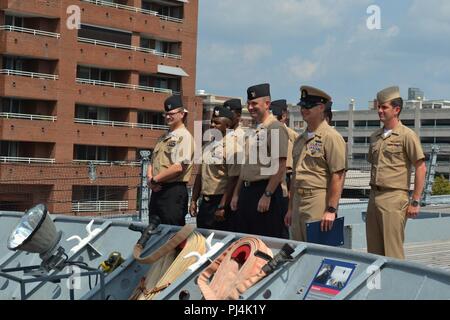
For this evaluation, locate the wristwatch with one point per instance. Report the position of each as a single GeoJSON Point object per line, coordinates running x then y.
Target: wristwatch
{"type": "Point", "coordinates": [415, 203]}
{"type": "Point", "coordinates": [268, 194]}
{"type": "Point", "coordinates": [331, 209]}
{"type": "Point", "coordinates": [220, 207]}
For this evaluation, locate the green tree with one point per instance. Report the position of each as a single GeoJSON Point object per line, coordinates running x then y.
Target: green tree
{"type": "Point", "coordinates": [441, 186]}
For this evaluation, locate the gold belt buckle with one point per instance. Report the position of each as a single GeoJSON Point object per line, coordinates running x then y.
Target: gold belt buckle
{"type": "Point", "coordinates": [305, 192]}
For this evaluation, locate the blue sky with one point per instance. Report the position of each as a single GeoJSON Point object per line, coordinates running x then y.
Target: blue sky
{"type": "Point", "coordinates": [324, 43]}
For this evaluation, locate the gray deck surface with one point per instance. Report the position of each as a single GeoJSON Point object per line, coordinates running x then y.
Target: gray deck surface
{"type": "Point", "coordinates": [434, 254]}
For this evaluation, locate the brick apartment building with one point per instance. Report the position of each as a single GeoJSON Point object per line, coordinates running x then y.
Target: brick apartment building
{"type": "Point", "coordinates": [70, 96]}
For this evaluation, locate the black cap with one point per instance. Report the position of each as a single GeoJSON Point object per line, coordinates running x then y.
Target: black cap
{"type": "Point", "coordinates": [172, 103]}
{"type": "Point", "coordinates": [233, 104]}
{"type": "Point", "coordinates": [278, 106]}
{"type": "Point", "coordinates": [258, 91]}
{"type": "Point", "coordinates": [311, 96]}
{"type": "Point", "coordinates": [223, 112]}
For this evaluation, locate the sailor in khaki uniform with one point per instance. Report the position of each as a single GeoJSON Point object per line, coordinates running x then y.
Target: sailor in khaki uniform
{"type": "Point", "coordinates": [238, 137]}
{"type": "Point", "coordinates": [279, 109]}
{"type": "Point", "coordinates": [320, 161]}
{"type": "Point", "coordinates": [258, 195]}
{"type": "Point", "coordinates": [394, 149]}
{"type": "Point", "coordinates": [217, 177]}
{"type": "Point", "coordinates": [171, 167]}
{"type": "Point", "coordinates": [235, 106]}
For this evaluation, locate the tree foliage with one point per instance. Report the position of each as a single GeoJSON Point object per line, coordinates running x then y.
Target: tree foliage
{"type": "Point", "coordinates": [441, 186]}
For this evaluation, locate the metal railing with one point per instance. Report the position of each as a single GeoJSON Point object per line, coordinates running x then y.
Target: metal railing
{"type": "Point", "coordinates": [124, 86]}
{"type": "Point", "coordinates": [9, 115]}
{"type": "Point", "coordinates": [361, 145]}
{"type": "Point", "coordinates": [120, 124]}
{"type": "Point", "coordinates": [98, 206]}
{"type": "Point", "coordinates": [10, 72]}
{"type": "Point", "coordinates": [128, 47]}
{"type": "Point", "coordinates": [30, 31]}
{"type": "Point", "coordinates": [134, 9]}
{"type": "Point", "coordinates": [26, 160]}
{"type": "Point", "coordinates": [108, 162]}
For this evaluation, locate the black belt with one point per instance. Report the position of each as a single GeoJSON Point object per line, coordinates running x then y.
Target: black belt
{"type": "Point", "coordinates": [377, 188]}
{"type": "Point", "coordinates": [254, 183]}
{"type": "Point", "coordinates": [208, 198]}
{"type": "Point", "coordinates": [171, 184]}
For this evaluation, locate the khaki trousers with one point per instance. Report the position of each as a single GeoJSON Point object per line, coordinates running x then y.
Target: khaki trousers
{"type": "Point", "coordinates": [308, 205]}
{"type": "Point", "coordinates": [386, 221]}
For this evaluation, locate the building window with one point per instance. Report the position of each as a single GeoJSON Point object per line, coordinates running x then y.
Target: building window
{"type": "Point", "coordinates": [428, 123]}
{"type": "Point", "coordinates": [11, 105]}
{"type": "Point", "coordinates": [14, 21]}
{"type": "Point", "coordinates": [360, 140]}
{"type": "Point", "coordinates": [373, 123]}
{"type": "Point", "coordinates": [90, 112]}
{"type": "Point", "coordinates": [359, 156]}
{"type": "Point", "coordinates": [13, 63]}
{"type": "Point", "coordinates": [156, 118]}
{"type": "Point", "coordinates": [91, 153]}
{"type": "Point", "coordinates": [443, 122]}
{"type": "Point", "coordinates": [9, 149]}
{"type": "Point", "coordinates": [408, 123]}
{"type": "Point", "coordinates": [340, 124]}
{"type": "Point", "coordinates": [94, 74]}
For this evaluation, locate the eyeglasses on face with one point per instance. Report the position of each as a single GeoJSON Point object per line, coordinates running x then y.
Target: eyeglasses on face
{"type": "Point", "coordinates": [171, 114]}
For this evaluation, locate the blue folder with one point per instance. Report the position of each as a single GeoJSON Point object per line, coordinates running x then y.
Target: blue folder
{"type": "Point", "coordinates": [334, 238]}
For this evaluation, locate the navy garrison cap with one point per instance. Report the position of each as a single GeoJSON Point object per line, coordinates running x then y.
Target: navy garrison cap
{"type": "Point", "coordinates": [258, 91]}
{"type": "Point", "coordinates": [311, 97]}
{"type": "Point", "coordinates": [233, 104]}
{"type": "Point", "coordinates": [278, 106]}
{"type": "Point", "coordinates": [172, 103]}
{"type": "Point", "coordinates": [223, 113]}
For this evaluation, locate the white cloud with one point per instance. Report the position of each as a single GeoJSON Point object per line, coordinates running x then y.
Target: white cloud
{"type": "Point", "coordinates": [253, 53]}
{"type": "Point", "coordinates": [266, 18]}
{"type": "Point", "coordinates": [325, 43]}
{"type": "Point", "coordinates": [430, 16]}
{"type": "Point", "coordinates": [393, 32]}
{"type": "Point", "coordinates": [301, 69]}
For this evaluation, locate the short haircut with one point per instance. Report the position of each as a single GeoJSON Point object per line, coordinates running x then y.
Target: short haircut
{"type": "Point", "coordinates": [397, 102]}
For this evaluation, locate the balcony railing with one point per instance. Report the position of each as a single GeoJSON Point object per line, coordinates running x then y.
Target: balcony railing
{"type": "Point", "coordinates": [125, 86]}
{"type": "Point", "coordinates": [134, 9]}
{"type": "Point", "coordinates": [361, 145]}
{"type": "Point", "coordinates": [120, 124]}
{"type": "Point", "coordinates": [26, 160]}
{"type": "Point", "coordinates": [37, 75]}
{"type": "Point", "coordinates": [98, 206]}
{"type": "Point", "coordinates": [435, 127]}
{"type": "Point", "coordinates": [30, 31]}
{"type": "Point", "coordinates": [442, 146]}
{"type": "Point", "coordinates": [9, 115]}
{"type": "Point", "coordinates": [108, 162]}
{"type": "Point", "coordinates": [128, 47]}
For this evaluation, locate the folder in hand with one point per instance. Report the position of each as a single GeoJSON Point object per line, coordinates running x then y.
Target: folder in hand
{"type": "Point", "coordinates": [334, 238]}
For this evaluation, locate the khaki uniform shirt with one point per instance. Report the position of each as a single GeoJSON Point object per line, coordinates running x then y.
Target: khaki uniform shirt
{"type": "Point", "coordinates": [257, 168]}
{"type": "Point", "coordinates": [392, 157]}
{"type": "Point", "coordinates": [174, 147]}
{"type": "Point", "coordinates": [317, 158]}
{"type": "Point", "coordinates": [216, 172]}
{"type": "Point", "coordinates": [293, 135]}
